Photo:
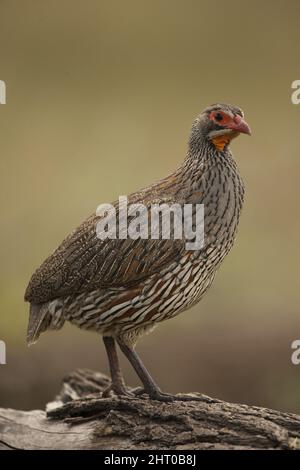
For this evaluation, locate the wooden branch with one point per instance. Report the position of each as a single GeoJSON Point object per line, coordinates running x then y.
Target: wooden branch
{"type": "Point", "coordinates": [80, 419]}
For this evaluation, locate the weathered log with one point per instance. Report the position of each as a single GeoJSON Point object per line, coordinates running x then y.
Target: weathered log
{"type": "Point", "coordinates": [80, 419]}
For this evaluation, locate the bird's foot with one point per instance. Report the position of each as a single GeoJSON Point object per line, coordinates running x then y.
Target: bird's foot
{"type": "Point", "coordinates": [156, 394]}
{"type": "Point", "coordinates": [117, 389]}
{"type": "Point", "coordinates": [161, 396]}
{"type": "Point", "coordinates": [190, 397]}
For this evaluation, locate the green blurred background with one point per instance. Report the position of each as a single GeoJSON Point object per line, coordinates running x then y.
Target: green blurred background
{"type": "Point", "coordinates": [100, 99]}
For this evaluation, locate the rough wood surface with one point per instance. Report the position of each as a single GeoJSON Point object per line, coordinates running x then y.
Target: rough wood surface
{"type": "Point", "coordinates": [80, 419]}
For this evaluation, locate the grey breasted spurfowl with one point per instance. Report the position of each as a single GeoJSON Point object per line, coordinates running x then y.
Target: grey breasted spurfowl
{"type": "Point", "coordinates": [122, 288]}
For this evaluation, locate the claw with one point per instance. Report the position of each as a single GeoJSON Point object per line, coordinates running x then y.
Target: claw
{"type": "Point", "coordinates": [166, 397]}
{"type": "Point", "coordinates": [154, 394]}
{"type": "Point", "coordinates": [117, 390]}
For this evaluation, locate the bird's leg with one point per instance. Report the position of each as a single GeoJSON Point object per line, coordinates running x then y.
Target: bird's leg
{"type": "Point", "coordinates": [150, 386]}
{"type": "Point", "coordinates": [117, 382]}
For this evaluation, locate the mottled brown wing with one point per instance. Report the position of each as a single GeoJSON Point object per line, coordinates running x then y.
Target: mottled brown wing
{"type": "Point", "coordinates": [83, 263]}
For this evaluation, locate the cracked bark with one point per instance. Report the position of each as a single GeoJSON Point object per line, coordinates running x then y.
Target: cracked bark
{"type": "Point", "coordinates": [80, 419]}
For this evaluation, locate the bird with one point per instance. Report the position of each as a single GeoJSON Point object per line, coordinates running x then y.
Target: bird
{"type": "Point", "coordinates": [123, 288]}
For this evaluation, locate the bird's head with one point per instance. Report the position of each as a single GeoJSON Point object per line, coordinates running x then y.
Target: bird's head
{"type": "Point", "coordinates": [219, 124]}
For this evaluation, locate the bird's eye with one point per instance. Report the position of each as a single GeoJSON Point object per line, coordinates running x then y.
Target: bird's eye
{"type": "Point", "coordinates": [218, 117]}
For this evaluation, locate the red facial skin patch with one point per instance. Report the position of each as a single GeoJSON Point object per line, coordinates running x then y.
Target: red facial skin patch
{"type": "Point", "coordinates": [225, 121]}
{"type": "Point", "coordinates": [221, 118]}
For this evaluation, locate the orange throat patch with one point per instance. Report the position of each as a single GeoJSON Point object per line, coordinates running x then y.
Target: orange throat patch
{"type": "Point", "coordinates": [221, 140]}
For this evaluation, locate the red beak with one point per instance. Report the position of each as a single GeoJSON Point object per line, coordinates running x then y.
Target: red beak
{"type": "Point", "coordinates": [238, 124]}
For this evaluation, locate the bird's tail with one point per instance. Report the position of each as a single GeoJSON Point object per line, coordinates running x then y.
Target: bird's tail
{"type": "Point", "coordinates": [38, 322]}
